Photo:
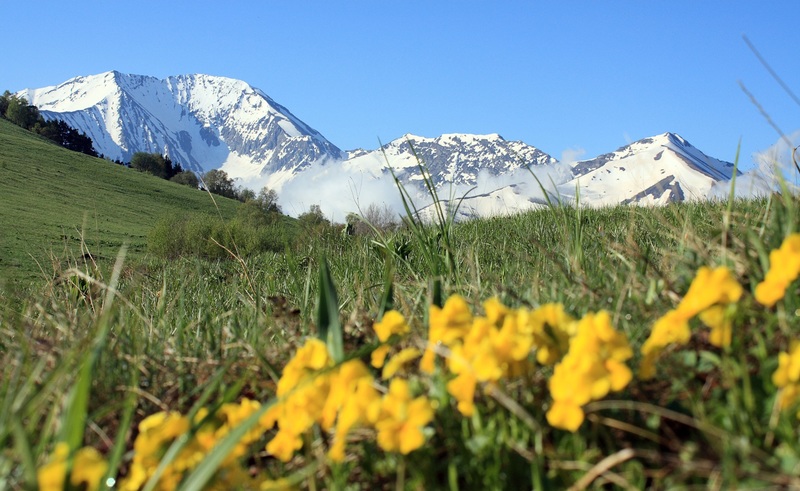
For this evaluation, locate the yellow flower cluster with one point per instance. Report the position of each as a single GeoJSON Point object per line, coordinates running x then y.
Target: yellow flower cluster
{"type": "Point", "coordinates": [311, 391]}
{"type": "Point", "coordinates": [593, 366]}
{"type": "Point", "coordinates": [486, 349]}
{"type": "Point", "coordinates": [88, 467]}
{"type": "Point", "coordinates": [709, 296]}
{"type": "Point", "coordinates": [784, 267]}
{"type": "Point", "coordinates": [787, 377]}
{"type": "Point", "coordinates": [158, 431]}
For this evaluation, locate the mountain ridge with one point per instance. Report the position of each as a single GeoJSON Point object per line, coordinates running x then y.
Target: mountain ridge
{"type": "Point", "coordinates": [205, 122]}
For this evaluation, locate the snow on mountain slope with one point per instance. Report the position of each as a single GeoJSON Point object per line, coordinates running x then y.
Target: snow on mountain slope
{"type": "Point", "coordinates": [201, 121]}
{"type": "Point", "coordinates": [655, 170]}
{"type": "Point", "coordinates": [451, 158]}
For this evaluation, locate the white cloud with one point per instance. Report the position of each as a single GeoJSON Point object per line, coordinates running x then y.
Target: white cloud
{"type": "Point", "coordinates": [771, 165]}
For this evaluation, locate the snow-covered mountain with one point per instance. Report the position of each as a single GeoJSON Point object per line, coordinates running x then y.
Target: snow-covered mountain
{"type": "Point", "coordinates": [656, 170]}
{"type": "Point", "coordinates": [202, 122]}
{"type": "Point", "coordinates": [451, 159]}
{"type": "Point", "coordinates": [652, 171]}
{"type": "Point", "coordinates": [205, 122]}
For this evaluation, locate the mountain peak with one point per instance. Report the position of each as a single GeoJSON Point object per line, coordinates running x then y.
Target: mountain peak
{"type": "Point", "coordinates": [202, 121]}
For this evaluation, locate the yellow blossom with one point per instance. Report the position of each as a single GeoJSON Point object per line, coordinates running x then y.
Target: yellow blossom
{"type": "Point", "coordinates": [593, 366]}
{"type": "Point", "coordinates": [550, 328]}
{"type": "Point", "coordinates": [711, 291]}
{"type": "Point", "coordinates": [284, 445]}
{"type": "Point", "coordinates": [784, 267]}
{"type": "Point", "coordinates": [357, 408]}
{"type": "Point", "coordinates": [303, 392]}
{"type": "Point", "coordinates": [721, 330]}
{"type": "Point", "coordinates": [156, 434]}
{"type": "Point", "coordinates": [378, 356]}
{"type": "Point", "coordinates": [401, 419]}
{"type": "Point", "coordinates": [462, 388]}
{"type": "Point", "coordinates": [392, 322]}
{"type": "Point", "coordinates": [710, 287]}
{"type": "Point", "coordinates": [446, 325]}
{"type": "Point", "coordinates": [88, 467]}
{"type": "Point", "coordinates": [788, 371]}
{"type": "Point", "coordinates": [672, 327]}
{"type": "Point", "coordinates": [565, 415]}
{"type": "Point", "coordinates": [397, 361]}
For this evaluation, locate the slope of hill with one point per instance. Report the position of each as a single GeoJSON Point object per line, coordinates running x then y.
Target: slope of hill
{"type": "Point", "coordinates": [51, 197]}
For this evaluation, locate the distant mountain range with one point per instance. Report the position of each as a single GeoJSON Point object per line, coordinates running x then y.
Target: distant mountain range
{"type": "Point", "coordinates": [205, 122]}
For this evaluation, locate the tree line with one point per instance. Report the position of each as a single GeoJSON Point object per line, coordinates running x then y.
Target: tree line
{"type": "Point", "coordinates": [18, 111]}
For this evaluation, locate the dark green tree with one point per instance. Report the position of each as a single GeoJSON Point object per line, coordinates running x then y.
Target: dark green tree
{"type": "Point", "coordinates": [187, 178]}
{"type": "Point", "coordinates": [4, 103]}
{"type": "Point", "coordinates": [267, 200]}
{"type": "Point", "coordinates": [313, 217]}
{"type": "Point", "coordinates": [217, 181]}
{"type": "Point", "coordinates": [151, 163]}
{"type": "Point", "coordinates": [20, 113]}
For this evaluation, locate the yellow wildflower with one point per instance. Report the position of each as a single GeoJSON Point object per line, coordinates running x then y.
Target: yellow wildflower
{"type": "Point", "coordinates": [88, 467]}
{"type": "Point", "coordinates": [462, 388]}
{"type": "Point", "coordinates": [565, 415]}
{"type": "Point", "coordinates": [392, 322]}
{"type": "Point", "coordinates": [710, 287]}
{"type": "Point", "coordinates": [284, 445]}
{"type": "Point", "coordinates": [720, 324]}
{"type": "Point", "coordinates": [156, 434]}
{"type": "Point", "coordinates": [397, 361]}
{"type": "Point", "coordinates": [363, 401]}
{"type": "Point", "coordinates": [593, 366]}
{"type": "Point", "coordinates": [401, 419]}
{"type": "Point", "coordinates": [446, 325]}
{"type": "Point", "coordinates": [710, 291]}
{"type": "Point", "coordinates": [342, 387]}
{"type": "Point", "coordinates": [550, 328]}
{"type": "Point", "coordinates": [787, 377]}
{"type": "Point", "coordinates": [378, 356]}
{"type": "Point", "coordinates": [303, 391]}
{"type": "Point", "coordinates": [672, 327]}
{"type": "Point", "coordinates": [784, 267]}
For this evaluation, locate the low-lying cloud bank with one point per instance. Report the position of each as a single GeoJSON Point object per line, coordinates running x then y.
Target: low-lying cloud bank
{"type": "Point", "coordinates": [339, 190]}
{"type": "Point", "coordinates": [772, 166]}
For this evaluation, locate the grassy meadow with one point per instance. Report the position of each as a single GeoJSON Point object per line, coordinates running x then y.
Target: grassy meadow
{"type": "Point", "coordinates": [261, 371]}
{"type": "Point", "coordinates": [54, 201]}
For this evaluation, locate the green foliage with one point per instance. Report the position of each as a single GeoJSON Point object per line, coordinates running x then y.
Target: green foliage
{"type": "Point", "coordinates": [217, 181]}
{"type": "Point", "coordinates": [187, 178]}
{"type": "Point", "coordinates": [18, 111]}
{"type": "Point", "coordinates": [267, 200]}
{"type": "Point", "coordinates": [251, 232]}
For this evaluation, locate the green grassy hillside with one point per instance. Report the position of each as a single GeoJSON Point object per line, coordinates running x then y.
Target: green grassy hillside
{"type": "Point", "coordinates": [52, 199]}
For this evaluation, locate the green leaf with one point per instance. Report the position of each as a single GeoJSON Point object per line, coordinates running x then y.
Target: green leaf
{"type": "Point", "coordinates": [329, 329]}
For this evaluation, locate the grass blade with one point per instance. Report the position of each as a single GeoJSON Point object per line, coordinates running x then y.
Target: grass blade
{"type": "Point", "coordinates": [329, 329]}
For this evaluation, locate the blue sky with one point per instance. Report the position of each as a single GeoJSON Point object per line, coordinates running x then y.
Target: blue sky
{"type": "Point", "coordinates": [563, 76]}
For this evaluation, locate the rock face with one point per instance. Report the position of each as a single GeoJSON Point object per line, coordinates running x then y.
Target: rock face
{"type": "Point", "coordinates": [205, 122]}
{"type": "Point", "coordinates": [451, 158]}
